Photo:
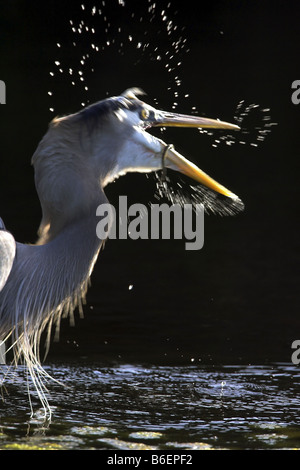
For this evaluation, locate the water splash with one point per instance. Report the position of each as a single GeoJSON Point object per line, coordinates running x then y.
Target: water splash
{"type": "Point", "coordinates": [255, 122]}
{"type": "Point", "coordinates": [111, 38]}
{"type": "Point", "coordinates": [179, 191]}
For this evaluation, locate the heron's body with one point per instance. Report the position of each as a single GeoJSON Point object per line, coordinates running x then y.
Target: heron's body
{"type": "Point", "coordinates": [75, 160]}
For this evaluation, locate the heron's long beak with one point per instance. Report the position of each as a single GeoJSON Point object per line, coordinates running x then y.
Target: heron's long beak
{"type": "Point", "coordinates": [165, 119]}
{"type": "Point", "coordinates": [188, 168]}
{"type": "Point", "coordinates": [182, 164]}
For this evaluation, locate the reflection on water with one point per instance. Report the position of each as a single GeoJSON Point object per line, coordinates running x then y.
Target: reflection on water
{"type": "Point", "coordinates": [136, 407]}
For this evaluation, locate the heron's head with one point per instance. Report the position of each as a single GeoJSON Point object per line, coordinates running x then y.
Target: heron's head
{"type": "Point", "coordinates": [106, 140]}
{"type": "Point", "coordinates": [92, 147]}
{"type": "Point", "coordinates": [117, 130]}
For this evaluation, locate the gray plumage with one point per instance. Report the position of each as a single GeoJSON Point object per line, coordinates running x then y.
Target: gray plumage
{"type": "Point", "coordinates": [78, 156]}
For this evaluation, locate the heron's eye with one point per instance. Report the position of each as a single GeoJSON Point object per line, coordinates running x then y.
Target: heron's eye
{"type": "Point", "coordinates": [144, 114]}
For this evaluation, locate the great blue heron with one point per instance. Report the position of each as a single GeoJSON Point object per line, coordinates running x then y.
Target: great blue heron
{"type": "Point", "coordinates": [78, 156]}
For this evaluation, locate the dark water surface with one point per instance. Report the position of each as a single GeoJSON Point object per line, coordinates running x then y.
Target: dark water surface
{"type": "Point", "coordinates": [158, 407]}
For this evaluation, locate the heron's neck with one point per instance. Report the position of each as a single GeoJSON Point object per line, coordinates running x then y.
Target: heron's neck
{"type": "Point", "coordinates": [74, 250]}
{"type": "Point", "coordinates": [51, 276]}
{"type": "Point", "coordinates": [77, 217]}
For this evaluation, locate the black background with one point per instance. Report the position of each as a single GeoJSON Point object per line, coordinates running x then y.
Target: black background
{"type": "Point", "coordinates": [234, 301]}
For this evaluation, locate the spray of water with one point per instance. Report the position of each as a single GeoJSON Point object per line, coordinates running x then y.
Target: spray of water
{"type": "Point", "coordinates": [179, 191]}
{"type": "Point", "coordinates": [113, 35]}
{"type": "Point", "coordinates": [148, 40]}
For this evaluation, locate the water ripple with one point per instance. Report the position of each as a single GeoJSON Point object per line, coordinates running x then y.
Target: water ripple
{"type": "Point", "coordinates": [136, 407]}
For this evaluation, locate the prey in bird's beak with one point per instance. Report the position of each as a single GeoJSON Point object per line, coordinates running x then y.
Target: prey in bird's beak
{"type": "Point", "coordinates": [173, 159]}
